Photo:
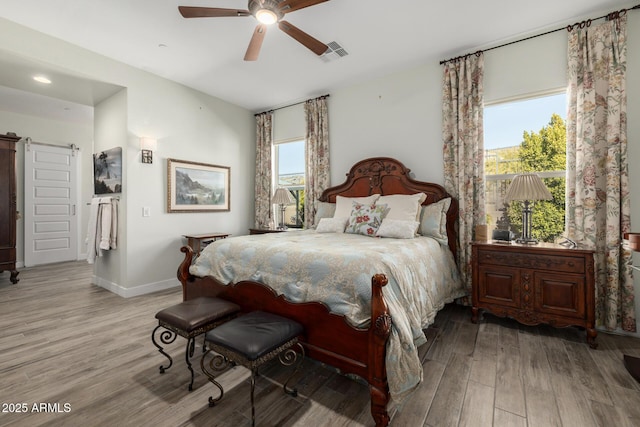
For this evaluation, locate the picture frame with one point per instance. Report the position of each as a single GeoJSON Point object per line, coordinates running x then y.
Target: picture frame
{"type": "Point", "coordinates": [107, 171]}
{"type": "Point", "coordinates": [197, 187]}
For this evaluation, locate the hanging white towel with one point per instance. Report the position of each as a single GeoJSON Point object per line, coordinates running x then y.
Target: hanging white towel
{"type": "Point", "coordinates": [93, 230]}
{"type": "Point", "coordinates": [102, 230]}
{"type": "Point", "coordinates": [113, 239]}
{"type": "Point", "coordinates": [105, 221]}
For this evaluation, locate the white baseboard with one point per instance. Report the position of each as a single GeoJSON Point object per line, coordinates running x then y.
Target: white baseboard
{"type": "Point", "coordinates": [137, 290]}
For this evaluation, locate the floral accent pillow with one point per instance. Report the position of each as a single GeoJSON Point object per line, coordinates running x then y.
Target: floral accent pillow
{"type": "Point", "coordinates": [366, 218]}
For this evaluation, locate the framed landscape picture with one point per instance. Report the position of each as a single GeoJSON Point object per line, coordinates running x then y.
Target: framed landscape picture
{"type": "Point", "coordinates": [197, 187]}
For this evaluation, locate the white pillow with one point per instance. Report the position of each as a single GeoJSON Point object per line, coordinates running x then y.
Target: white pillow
{"type": "Point", "coordinates": [332, 225]}
{"type": "Point", "coordinates": [405, 207]}
{"type": "Point", "coordinates": [344, 205]}
{"type": "Point", "coordinates": [398, 229]}
{"type": "Point", "coordinates": [433, 220]}
{"type": "Point", "coordinates": [323, 210]}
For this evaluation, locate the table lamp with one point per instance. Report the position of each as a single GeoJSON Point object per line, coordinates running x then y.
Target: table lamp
{"type": "Point", "coordinates": [282, 197]}
{"type": "Point", "coordinates": [527, 187]}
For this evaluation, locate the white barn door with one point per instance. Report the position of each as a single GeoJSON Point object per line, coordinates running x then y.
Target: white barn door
{"type": "Point", "coordinates": [50, 204]}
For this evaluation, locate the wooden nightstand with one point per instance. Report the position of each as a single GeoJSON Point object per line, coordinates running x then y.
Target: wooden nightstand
{"type": "Point", "coordinates": [197, 242]}
{"type": "Point", "coordinates": [544, 283]}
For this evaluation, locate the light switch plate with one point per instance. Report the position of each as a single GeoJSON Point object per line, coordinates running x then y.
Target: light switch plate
{"type": "Point", "coordinates": [146, 211]}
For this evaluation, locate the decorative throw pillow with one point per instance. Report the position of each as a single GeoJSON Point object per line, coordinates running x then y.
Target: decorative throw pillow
{"type": "Point", "coordinates": [332, 225]}
{"type": "Point", "coordinates": [366, 219]}
{"type": "Point", "coordinates": [405, 207]}
{"type": "Point", "coordinates": [344, 205]}
{"type": "Point", "coordinates": [398, 229]}
{"type": "Point", "coordinates": [433, 220]}
{"type": "Point", "coordinates": [324, 210]}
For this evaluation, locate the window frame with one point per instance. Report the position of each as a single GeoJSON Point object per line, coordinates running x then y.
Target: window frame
{"type": "Point", "coordinates": [294, 189]}
{"type": "Point", "coordinates": [498, 177]}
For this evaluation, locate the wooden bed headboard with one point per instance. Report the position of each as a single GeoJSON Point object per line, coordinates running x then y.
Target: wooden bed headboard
{"type": "Point", "coordinates": [385, 176]}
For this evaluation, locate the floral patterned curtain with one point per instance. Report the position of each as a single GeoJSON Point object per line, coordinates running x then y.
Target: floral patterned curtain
{"type": "Point", "coordinates": [462, 133]}
{"type": "Point", "coordinates": [597, 173]}
{"type": "Point", "coordinates": [264, 137]}
{"type": "Point", "coordinates": [317, 155]}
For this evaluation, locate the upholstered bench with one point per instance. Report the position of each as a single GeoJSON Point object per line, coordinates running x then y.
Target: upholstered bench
{"type": "Point", "coordinates": [252, 340]}
{"type": "Point", "coordinates": [190, 319]}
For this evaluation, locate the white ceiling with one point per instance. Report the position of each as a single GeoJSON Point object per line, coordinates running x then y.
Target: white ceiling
{"type": "Point", "coordinates": [207, 53]}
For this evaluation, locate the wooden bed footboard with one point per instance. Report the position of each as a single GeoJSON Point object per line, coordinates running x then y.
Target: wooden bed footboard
{"type": "Point", "coordinates": [329, 338]}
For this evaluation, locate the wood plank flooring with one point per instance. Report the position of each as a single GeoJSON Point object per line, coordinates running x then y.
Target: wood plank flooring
{"type": "Point", "coordinates": [86, 354]}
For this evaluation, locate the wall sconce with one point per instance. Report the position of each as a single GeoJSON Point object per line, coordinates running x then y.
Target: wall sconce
{"type": "Point", "coordinates": [147, 145]}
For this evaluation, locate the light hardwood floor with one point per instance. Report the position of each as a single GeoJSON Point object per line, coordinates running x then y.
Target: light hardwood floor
{"type": "Point", "coordinates": [65, 341]}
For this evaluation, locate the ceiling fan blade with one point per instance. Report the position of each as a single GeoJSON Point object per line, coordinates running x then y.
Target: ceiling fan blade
{"type": "Point", "coordinates": [290, 5]}
{"type": "Point", "coordinates": [315, 45]}
{"type": "Point", "coordinates": [210, 12]}
{"type": "Point", "coordinates": [256, 43]}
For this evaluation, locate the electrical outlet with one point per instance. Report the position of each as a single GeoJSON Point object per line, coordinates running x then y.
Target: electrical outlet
{"type": "Point", "coordinates": [146, 211]}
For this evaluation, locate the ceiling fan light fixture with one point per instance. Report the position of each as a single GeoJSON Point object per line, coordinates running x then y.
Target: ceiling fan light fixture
{"type": "Point", "coordinates": [266, 16]}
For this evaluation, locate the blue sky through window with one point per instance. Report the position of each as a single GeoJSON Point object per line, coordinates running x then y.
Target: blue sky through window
{"type": "Point", "coordinates": [291, 158]}
{"type": "Point", "coordinates": [505, 123]}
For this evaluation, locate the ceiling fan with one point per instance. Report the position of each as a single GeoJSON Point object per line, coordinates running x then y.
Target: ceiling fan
{"type": "Point", "coordinates": [267, 12]}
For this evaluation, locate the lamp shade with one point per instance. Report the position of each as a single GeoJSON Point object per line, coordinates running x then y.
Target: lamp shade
{"type": "Point", "coordinates": [282, 196]}
{"type": "Point", "coordinates": [527, 186]}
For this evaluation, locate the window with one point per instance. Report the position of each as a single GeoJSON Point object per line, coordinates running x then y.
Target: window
{"type": "Point", "coordinates": [527, 135]}
{"type": "Point", "coordinates": [289, 167]}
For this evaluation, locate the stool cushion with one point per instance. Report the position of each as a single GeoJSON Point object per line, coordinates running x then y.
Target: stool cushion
{"type": "Point", "coordinates": [196, 313]}
{"type": "Point", "coordinates": [255, 334]}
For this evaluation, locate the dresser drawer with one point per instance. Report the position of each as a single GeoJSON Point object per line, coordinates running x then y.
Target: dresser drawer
{"type": "Point", "coordinates": [566, 264]}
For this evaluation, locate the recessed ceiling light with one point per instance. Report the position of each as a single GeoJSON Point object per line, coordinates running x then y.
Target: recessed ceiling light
{"type": "Point", "coordinates": [42, 79]}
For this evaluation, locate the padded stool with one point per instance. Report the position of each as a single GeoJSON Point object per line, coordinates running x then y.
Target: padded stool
{"type": "Point", "coordinates": [252, 340]}
{"type": "Point", "coordinates": [190, 319]}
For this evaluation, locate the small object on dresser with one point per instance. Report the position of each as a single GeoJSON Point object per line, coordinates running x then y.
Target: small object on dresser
{"type": "Point", "coordinates": [502, 235]}
{"type": "Point", "coordinates": [481, 233]}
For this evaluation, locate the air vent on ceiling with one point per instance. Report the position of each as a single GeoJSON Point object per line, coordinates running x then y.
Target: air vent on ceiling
{"type": "Point", "coordinates": [334, 52]}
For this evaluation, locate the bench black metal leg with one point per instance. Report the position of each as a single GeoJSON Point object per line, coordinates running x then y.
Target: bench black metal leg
{"type": "Point", "coordinates": [288, 358]}
{"type": "Point", "coordinates": [218, 363]}
{"type": "Point", "coordinates": [166, 337]}
{"type": "Point", "coordinates": [254, 372]}
{"type": "Point", "coordinates": [188, 354]}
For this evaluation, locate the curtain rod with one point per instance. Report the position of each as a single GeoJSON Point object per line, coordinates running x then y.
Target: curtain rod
{"type": "Point", "coordinates": [291, 105]}
{"type": "Point", "coordinates": [582, 24]}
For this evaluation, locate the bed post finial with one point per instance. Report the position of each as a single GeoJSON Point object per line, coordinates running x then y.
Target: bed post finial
{"type": "Point", "coordinates": [183, 269]}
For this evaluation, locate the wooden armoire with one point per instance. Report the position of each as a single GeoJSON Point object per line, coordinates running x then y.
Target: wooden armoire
{"type": "Point", "coordinates": [8, 205]}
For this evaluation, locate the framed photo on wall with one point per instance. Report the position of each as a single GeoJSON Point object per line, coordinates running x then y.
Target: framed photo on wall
{"type": "Point", "coordinates": [197, 187]}
{"type": "Point", "coordinates": [107, 171]}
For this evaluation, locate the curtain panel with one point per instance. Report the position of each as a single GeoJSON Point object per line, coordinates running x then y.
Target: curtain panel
{"type": "Point", "coordinates": [598, 205]}
{"type": "Point", "coordinates": [264, 142]}
{"type": "Point", "coordinates": [317, 155]}
{"type": "Point", "coordinates": [462, 133]}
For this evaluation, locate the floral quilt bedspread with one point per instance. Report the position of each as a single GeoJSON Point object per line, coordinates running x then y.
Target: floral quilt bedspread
{"type": "Point", "coordinates": [336, 269]}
